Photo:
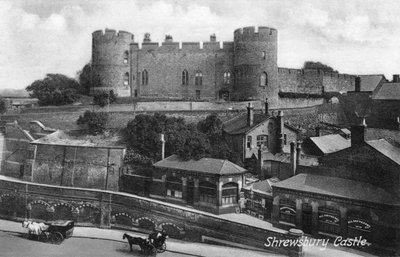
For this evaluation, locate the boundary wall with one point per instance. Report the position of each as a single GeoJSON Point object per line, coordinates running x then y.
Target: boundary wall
{"type": "Point", "coordinates": [21, 200]}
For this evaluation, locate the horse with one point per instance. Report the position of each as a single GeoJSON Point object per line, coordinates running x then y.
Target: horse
{"type": "Point", "coordinates": [143, 243]}
{"type": "Point", "coordinates": [34, 228]}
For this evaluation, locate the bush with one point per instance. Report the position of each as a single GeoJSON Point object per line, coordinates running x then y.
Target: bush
{"type": "Point", "coordinates": [104, 98]}
{"type": "Point", "coordinates": [94, 122]}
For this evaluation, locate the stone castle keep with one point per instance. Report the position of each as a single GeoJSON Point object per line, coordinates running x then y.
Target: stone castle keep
{"type": "Point", "coordinates": [245, 69]}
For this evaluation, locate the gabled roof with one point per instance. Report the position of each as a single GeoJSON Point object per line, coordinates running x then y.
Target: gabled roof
{"type": "Point", "coordinates": [387, 149]}
{"type": "Point", "coordinates": [370, 82]}
{"type": "Point", "coordinates": [338, 187]}
{"type": "Point", "coordinates": [204, 165]}
{"type": "Point", "coordinates": [263, 186]}
{"type": "Point", "coordinates": [388, 91]}
{"type": "Point", "coordinates": [238, 125]}
{"type": "Point", "coordinates": [331, 143]}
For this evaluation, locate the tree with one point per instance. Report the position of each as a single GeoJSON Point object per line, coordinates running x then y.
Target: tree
{"type": "Point", "coordinates": [94, 122]}
{"type": "Point", "coordinates": [318, 66]}
{"type": "Point", "coordinates": [85, 79]}
{"type": "Point", "coordinates": [3, 106]}
{"type": "Point", "coordinates": [54, 89]}
{"type": "Point", "coordinates": [104, 98]}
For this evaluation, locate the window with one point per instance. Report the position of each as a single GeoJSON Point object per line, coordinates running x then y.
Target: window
{"type": "Point", "coordinates": [263, 79]}
{"type": "Point", "coordinates": [174, 187]}
{"type": "Point", "coordinates": [198, 81]}
{"type": "Point", "coordinates": [284, 139]}
{"type": "Point", "coordinates": [262, 140]}
{"type": "Point", "coordinates": [329, 220]}
{"type": "Point", "coordinates": [264, 55]}
{"type": "Point", "coordinates": [174, 193]}
{"type": "Point", "coordinates": [229, 193]}
{"type": "Point", "coordinates": [126, 79]}
{"type": "Point", "coordinates": [208, 192]}
{"type": "Point", "coordinates": [145, 77]}
{"type": "Point", "coordinates": [126, 57]}
{"type": "Point", "coordinates": [287, 211]}
{"type": "Point", "coordinates": [248, 141]}
{"type": "Point", "coordinates": [197, 94]}
{"type": "Point", "coordinates": [185, 77]}
{"type": "Point", "coordinates": [227, 77]}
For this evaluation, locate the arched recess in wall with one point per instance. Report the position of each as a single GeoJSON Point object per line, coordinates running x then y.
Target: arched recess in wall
{"type": "Point", "coordinates": [145, 77]}
{"type": "Point", "coordinates": [198, 80]}
{"type": "Point", "coordinates": [185, 77]}
{"type": "Point", "coordinates": [263, 79]}
{"type": "Point", "coordinates": [126, 79]}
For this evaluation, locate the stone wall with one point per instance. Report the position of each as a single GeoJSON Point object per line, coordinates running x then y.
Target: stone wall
{"type": "Point", "coordinates": [89, 207]}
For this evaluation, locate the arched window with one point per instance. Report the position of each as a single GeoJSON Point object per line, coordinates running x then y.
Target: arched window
{"type": "Point", "coordinates": [145, 77]}
{"type": "Point", "coordinates": [287, 211]}
{"type": "Point", "coordinates": [198, 81]}
{"type": "Point", "coordinates": [185, 77]}
{"type": "Point", "coordinates": [126, 57]}
{"type": "Point", "coordinates": [227, 77]}
{"type": "Point", "coordinates": [263, 79]}
{"type": "Point", "coordinates": [126, 79]}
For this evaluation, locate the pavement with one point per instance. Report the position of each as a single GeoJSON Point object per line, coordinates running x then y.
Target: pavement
{"type": "Point", "coordinates": [190, 248]}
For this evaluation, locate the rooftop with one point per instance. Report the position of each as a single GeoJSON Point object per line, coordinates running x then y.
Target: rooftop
{"type": "Point", "coordinates": [238, 125]}
{"type": "Point", "coordinates": [388, 91]}
{"type": "Point", "coordinates": [370, 82]}
{"type": "Point", "coordinates": [263, 186]}
{"type": "Point", "coordinates": [387, 149]}
{"type": "Point", "coordinates": [331, 143]}
{"type": "Point", "coordinates": [305, 160]}
{"type": "Point", "coordinates": [204, 165]}
{"type": "Point", "coordinates": [338, 187]}
{"type": "Point", "coordinates": [77, 138]}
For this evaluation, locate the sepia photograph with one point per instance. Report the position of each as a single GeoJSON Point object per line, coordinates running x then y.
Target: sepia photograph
{"type": "Point", "coordinates": [199, 128]}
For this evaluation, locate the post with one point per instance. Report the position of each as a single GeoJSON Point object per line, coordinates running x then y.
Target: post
{"type": "Point", "coordinates": [162, 139]}
{"type": "Point", "coordinates": [108, 168]}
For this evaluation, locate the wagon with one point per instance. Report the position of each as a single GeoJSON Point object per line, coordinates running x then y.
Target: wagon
{"type": "Point", "coordinates": [56, 232]}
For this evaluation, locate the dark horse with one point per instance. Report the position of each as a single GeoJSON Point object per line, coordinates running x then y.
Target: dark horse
{"type": "Point", "coordinates": [143, 243]}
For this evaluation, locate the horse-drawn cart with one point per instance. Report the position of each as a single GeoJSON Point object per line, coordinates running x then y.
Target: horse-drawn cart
{"type": "Point", "coordinates": [54, 232]}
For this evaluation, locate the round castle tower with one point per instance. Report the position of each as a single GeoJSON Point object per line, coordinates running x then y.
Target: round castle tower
{"type": "Point", "coordinates": [111, 61]}
{"type": "Point", "coordinates": [255, 64]}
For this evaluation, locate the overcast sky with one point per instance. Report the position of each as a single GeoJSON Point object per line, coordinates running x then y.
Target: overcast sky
{"type": "Point", "coordinates": [46, 36]}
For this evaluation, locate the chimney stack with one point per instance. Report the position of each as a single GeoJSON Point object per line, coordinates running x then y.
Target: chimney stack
{"type": "Point", "coordinates": [162, 146]}
{"type": "Point", "coordinates": [357, 84]}
{"type": "Point", "coordinates": [298, 152]}
{"type": "Point", "coordinates": [279, 131]}
{"type": "Point", "coordinates": [259, 163]}
{"type": "Point", "coordinates": [396, 78]}
{"type": "Point", "coordinates": [358, 133]}
{"type": "Point", "coordinates": [266, 107]}
{"type": "Point", "coordinates": [250, 115]}
{"type": "Point", "coordinates": [293, 158]}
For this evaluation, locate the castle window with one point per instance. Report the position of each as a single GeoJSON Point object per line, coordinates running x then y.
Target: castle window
{"type": "Point", "coordinates": [198, 81]}
{"type": "Point", "coordinates": [126, 79]}
{"type": "Point", "coordinates": [185, 77]}
{"type": "Point", "coordinates": [227, 77]}
{"type": "Point", "coordinates": [145, 77]}
{"type": "Point", "coordinates": [126, 57]}
{"type": "Point", "coordinates": [284, 139]}
{"type": "Point", "coordinates": [264, 55]}
{"type": "Point", "coordinates": [263, 79]}
{"type": "Point", "coordinates": [198, 94]}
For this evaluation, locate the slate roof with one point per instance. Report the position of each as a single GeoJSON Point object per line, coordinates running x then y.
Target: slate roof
{"type": "Point", "coordinates": [305, 160]}
{"type": "Point", "coordinates": [263, 186]}
{"type": "Point", "coordinates": [238, 125]}
{"type": "Point", "coordinates": [388, 91]}
{"type": "Point", "coordinates": [338, 187]}
{"type": "Point", "coordinates": [331, 143]}
{"type": "Point", "coordinates": [387, 149]}
{"type": "Point", "coordinates": [77, 139]}
{"type": "Point", "coordinates": [204, 165]}
{"type": "Point", "coordinates": [370, 82]}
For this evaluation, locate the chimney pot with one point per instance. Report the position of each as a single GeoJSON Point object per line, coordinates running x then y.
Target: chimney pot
{"type": "Point", "coordinates": [357, 84]}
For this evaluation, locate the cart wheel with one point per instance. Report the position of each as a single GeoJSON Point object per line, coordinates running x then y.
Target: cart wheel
{"type": "Point", "coordinates": [57, 238]}
{"type": "Point", "coordinates": [44, 237]}
{"type": "Point", "coordinates": [162, 248]}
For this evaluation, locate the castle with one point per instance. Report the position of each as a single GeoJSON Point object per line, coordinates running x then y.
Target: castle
{"type": "Point", "coordinates": [245, 69]}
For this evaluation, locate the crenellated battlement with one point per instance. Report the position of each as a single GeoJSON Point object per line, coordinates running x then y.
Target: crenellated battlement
{"type": "Point", "coordinates": [111, 34]}
{"type": "Point", "coordinates": [184, 46]}
{"type": "Point", "coordinates": [294, 72]}
{"type": "Point", "coordinates": [255, 34]}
